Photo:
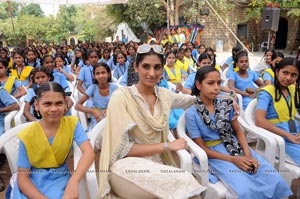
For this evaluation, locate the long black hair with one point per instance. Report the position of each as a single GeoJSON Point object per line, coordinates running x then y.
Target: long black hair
{"type": "Point", "coordinates": [288, 61]}
{"type": "Point", "coordinates": [200, 76]}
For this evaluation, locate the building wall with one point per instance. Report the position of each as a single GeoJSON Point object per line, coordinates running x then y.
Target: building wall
{"type": "Point", "coordinates": [214, 30]}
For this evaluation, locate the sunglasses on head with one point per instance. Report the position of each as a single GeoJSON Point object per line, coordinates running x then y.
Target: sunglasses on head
{"type": "Point", "coordinates": [145, 48]}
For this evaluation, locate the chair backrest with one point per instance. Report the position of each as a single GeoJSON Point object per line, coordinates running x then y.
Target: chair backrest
{"type": "Point", "coordinates": [10, 142]}
{"type": "Point", "coordinates": [95, 136]}
{"type": "Point", "coordinates": [249, 113]}
{"type": "Point", "coordinates": [73, 110]}
{"type": "Point", "coordinates": [19, 117]}
{"type": "Point", "coordinates": [9, 118]}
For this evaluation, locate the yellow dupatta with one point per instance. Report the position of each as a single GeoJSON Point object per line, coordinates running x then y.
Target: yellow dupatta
{"type": "Point", "coordinates": [184, 65]}
{"type": "Point", "coordinates": [270, 71]}
{"type": "Point", "coordinates": [40, 153]}
{"type": "Point", "coordinates": [9, 84]}
{"type": "Point", "coordinates": [281, 108]}
{"type": "Point", "coordinates": [174, 78]}
{"type": "Point", "coordinates": [24, 73]}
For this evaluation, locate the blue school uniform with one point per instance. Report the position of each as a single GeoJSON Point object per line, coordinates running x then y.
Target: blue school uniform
{"type": "Point", "coordinates": [15, 86]}
{"type": "Point", "coordinates": [28, 98]}
{"type": "Point", "coordinates": [174, 113]}
{"type": "Point", "coordinates": [120, 70]}
{"type": "Point", "coordinates": [267, 76]}
{"type": "Point", "coordinates": [244, 83]}
{"type": "Point", "coordinates": [189, 82]}
{"type": "Point", "coordinates": [103, 60]}
{"type": "Point", "coordinates": [67, 69]}
{"type": "Point", "coordinates": [5, 100]}
{"type": "Point", "coordinates": [265, 102]}
{"type": "Point", "coordinates": [265, 183]}
{"type": "Point", "coordinates": [99, 102]}
{"type": "Point", "coordinates": [50, 182]}
{"type": "Point", "coordinates": [86, 76]}
{"type": "Point", "coordinates": [111, 63]}
{"type": "Point", "coordinates": [60, 79]}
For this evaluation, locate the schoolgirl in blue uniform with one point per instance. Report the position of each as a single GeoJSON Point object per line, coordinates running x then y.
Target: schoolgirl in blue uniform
{"type": "Point", "coordinates": [99, 93]}
{"type": "Point", "coordinates": [213, 125]}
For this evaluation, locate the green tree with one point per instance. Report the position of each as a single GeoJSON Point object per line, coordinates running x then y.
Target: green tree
{"type": "Point", "coordinates": [136, 12]}
{"type": "Point", "coordinates": [4, 9]}
{"type": "Point", "coordinates": [32, 9]}
{"type": "Point", "coordinates": [66, 16]}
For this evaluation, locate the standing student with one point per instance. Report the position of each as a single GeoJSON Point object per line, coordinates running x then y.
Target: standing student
{"type": "Point", "coordinates": [44, 148]}
{"type": "Point", "coordinates": [99, 92]}
{"type": "Point", "coordinates": [277, 106]}
{"type": "Point", "coordinates": [40, 75]}
{"type": "Point", "coordinates": [242, 81]}
{"type": "Point", "coordinates": [213, 125]}
{"type": "Point", "coordinates": [19, 70]}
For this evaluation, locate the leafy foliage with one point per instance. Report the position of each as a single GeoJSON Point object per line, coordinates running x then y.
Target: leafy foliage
{"type": "Point", "coordinates": [32, 9]}
{"type": "Point", "coordinates": [136, 12]}
{"type": "Point", "coordinates": [4, 10]}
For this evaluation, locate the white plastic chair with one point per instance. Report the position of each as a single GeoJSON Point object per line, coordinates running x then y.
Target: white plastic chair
{"type": "Point", "coordinates": [19, 117]}
{"type": "Point", "coordinates": [217, 190]}
{"type": "Point", "coordinates": [10, 142]}
{"type": "Point", "coordinates": [9, 118]}
{"type": "Point", "coordinates": [286, 169]}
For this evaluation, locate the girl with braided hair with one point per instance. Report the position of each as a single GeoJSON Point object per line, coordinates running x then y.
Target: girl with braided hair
{"type": "Point", "coordinates": [212, 124]}
{"type": "Point", "coordinates": [277, 106]}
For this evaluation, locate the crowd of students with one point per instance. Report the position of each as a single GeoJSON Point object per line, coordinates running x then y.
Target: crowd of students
{"type": "Point", "coordinates": [117, 80]}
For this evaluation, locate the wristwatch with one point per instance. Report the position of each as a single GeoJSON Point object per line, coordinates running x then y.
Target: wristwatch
{"type": "Point", "coordinates": [166, 145]}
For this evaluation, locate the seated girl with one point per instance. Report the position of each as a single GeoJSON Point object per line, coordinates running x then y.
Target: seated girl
{"type": "Point", "coordinates": [19, 70]}
{"type": "Point", "coordinates": [136, 158]}
{"type": "Point", "coordinates": [213, 125]}
{"type": "Point", "coordinates": [242, 81]}
{"type": "Point", "coordinates": [39, 76]}
{"type": "Point", "coordinates": [268, 74]}
{"type": "Point", "coordinates": [172, 70]}
{"type": "Point", "coordinates": [62, 67]}
{"type": "Point", "coordinates": [10, 83]}
{"type": "Point", "coordinates": [44, 148]}
{"type": "Point", "coordinates": [122, 65]}
{"type": "Point", "coordinates": [277, 106]}
{"type": "Point", "coordinates": [99, 92]}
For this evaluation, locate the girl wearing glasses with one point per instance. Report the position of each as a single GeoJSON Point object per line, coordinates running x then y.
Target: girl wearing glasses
{"type": "Point", "coordinates": [140, 138]}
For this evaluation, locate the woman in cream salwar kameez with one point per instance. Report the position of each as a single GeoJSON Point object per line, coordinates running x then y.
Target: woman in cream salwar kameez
{"type": "Point", "coordinates": [136, 159]}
